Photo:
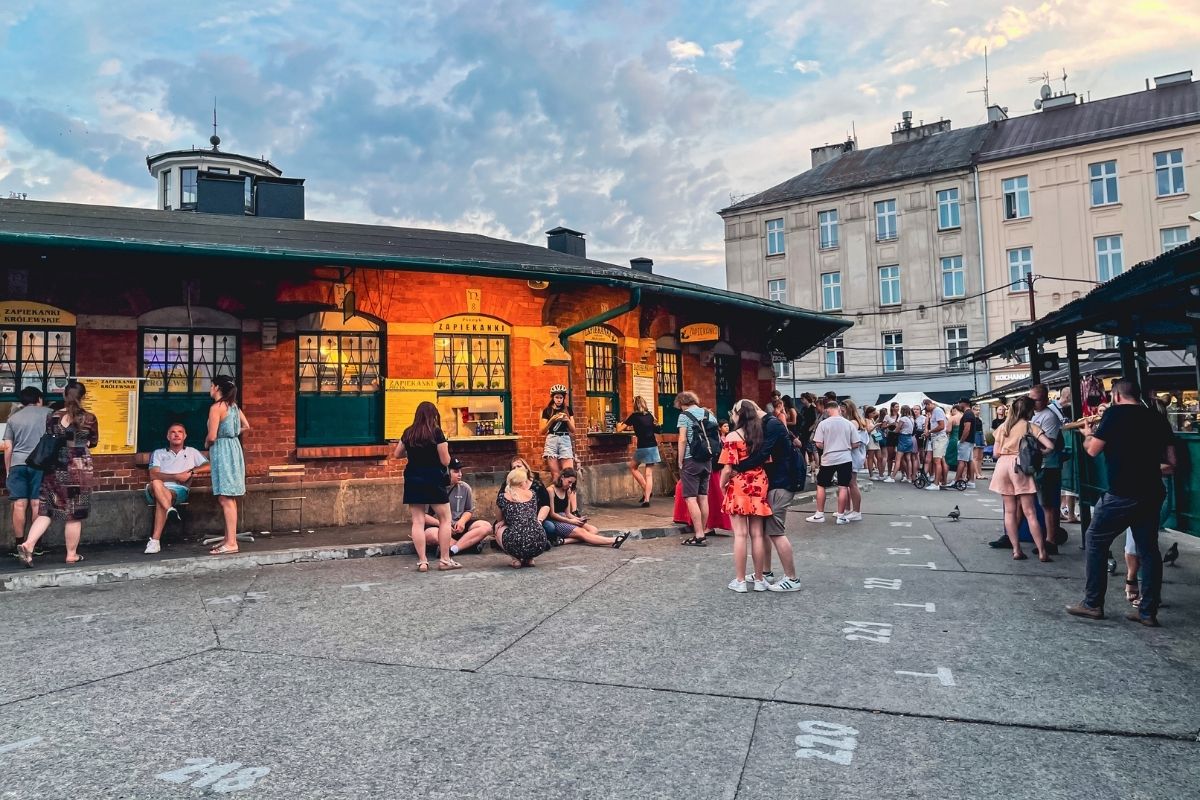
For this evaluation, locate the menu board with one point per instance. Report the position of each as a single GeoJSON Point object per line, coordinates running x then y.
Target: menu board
{"type": "Point", "coordinates": [114, 401]}
{"type": "Point", "coordinates": [643, 386]}
{"type": "Point", "coordinates": [401, 398]}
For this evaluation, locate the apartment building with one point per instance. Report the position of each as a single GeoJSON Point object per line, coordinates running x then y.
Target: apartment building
{"type": "Point", "coordinates": [887, 236]}
{"type": "Point", "coordinates": [893, 238]}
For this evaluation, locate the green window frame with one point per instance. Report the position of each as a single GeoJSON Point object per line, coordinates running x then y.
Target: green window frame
{"type": "Point", "coordinates": [669, 375]}
{"type": "Point", "coordinates": [35, 356]}
{"type": "Point", "coordinates": [339, 397]}
{"type": "Point", "coordinates": [178, 366]}
{"type": "Point", "coordinates": [474, 385]}
{"type": "Point", "coordinates": [602, 382]}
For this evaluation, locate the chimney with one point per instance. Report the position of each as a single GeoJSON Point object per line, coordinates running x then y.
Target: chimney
{"type": "Point", "coordinates": [1173, 79]}
{"type": "Point", "coordinates": [565, 240]}
{"type": "Point", "coordinates": [905, 131]}
{"type": "Point", "coordinates": [1059, 101]}
{"type": "Point", "coordinates": [827, 153]}
{"type": "Point", "coordinates": [997, 113]}
{"type": "Point", "coordinates": [645, 265]}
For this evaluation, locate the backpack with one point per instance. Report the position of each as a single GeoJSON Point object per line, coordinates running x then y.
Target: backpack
{"type": "Point", "coordinates": [704, 439]}
{"type": "Point", "coordinates": [1029, 454]}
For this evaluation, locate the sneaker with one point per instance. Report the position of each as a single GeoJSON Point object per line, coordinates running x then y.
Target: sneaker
{"type": "Point", "coordinates": [767, 576]}
{"type": "Point", "coordinates": [933, 487]}
{"type": "Point", "coordinates": [840, 520]}
{"type": "Point", "coordinates": [970, 484]}
{"type": "Point", "coordinates": [153, 546]}
{"type": "Point", "coordinates": [817, 517]}
{"type": "Point", "coordinates": [760, 586]}
{"type": "Point", "coordinates": [738, 586]}
{"type": "Point", "coordinates": [173, 510]}
{"type": "Point", "coordinates": [854, 516]}
{"type": "Point", "coordinates": [889, 479]}
{"type": "Point", "coordinates": [785, 584]}
{"type": "Point", "coordinates": [1000, 543]}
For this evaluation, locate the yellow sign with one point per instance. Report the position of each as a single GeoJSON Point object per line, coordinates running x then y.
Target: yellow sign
{"type": "Point", "coordinates": [474, 300]}
{"type": "Point", "coordinates": [114, 401]}
{"type": "Point", "coordinates": [466, 324]}
{"type": "Point", "coordinates": [700, 332]}
{"type": "Point", "coordinates": [643, 386]}
{"type": "Point", "coordinates": [401, 398]}
{"type": "Point", "coordinates": [28, 313]}
{"type": "Point", "coordinates": [598, 334]}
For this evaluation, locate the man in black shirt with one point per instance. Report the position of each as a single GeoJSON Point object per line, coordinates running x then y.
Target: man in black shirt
{"type": "Point", "coordinates": [963, 477]}
{"type": "Point", "coordinates": [1136, 443]}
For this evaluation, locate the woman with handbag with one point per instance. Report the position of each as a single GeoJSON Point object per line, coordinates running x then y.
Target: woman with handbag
{"type": "Point", "coordinates": [1016, 487]}
{"type": "Point", "coordinates": [425, 482]}
{"type": "Point", "coordinates": [66, 492]}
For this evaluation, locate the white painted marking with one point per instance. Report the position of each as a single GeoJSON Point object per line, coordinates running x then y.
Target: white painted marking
{"type": "Point", "coordinates": [223, 778]}
{"type": "Point", "coordinates": [899, 551]}
{"type": "Point", "coordinates": [642, 560]}
{"type": "Point", "coordinates": [880, 632]}
{"type": "Point", "coordinates": [473, 576]}
{"type": "Point", "coordinates": [236, 599]}
{"type": "Point", "coordinates": [575, 568]}
{"type": "Point", "coordinates": [900, 524]}
{"type": "Point", "coordinates": [881, 583]}
{"type": "Point", "coordinates": [86, 618]}
{"type": "Point", "coordinates": [943, 674]}
{"type": "Point", "coordinates": [21, 745]}
{"type": "Point", "coordinates": [930, 607]}
{"type": "Point", "coordinates": [922, 536]}
{"type": "Point", "coordinates": [926, 565]}
{"type": "Point", "coordinates": [365, 587]}
{"type": "Point", "coordinates": [842, 739]}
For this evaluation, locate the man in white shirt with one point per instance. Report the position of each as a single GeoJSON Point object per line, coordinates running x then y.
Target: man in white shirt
{"type": "Point", "coordinates": [835, 437]}
{"type": "Point", "coordinates": [939, 439]}
{"type": "Point", "coordinates": [171, 471]}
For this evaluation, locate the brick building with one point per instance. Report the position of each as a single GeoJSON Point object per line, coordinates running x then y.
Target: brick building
{"type": "Point", "coordinates": [334, 331]}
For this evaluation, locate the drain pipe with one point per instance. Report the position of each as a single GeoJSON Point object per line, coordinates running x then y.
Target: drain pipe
{"type": "Point", "coordinates": [982, 279]}
{"type": "Point", "coordinates": [635, 300]}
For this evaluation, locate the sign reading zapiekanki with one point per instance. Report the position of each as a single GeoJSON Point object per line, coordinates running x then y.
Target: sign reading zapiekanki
{"type": "Point", "coordinates": [700, 332]}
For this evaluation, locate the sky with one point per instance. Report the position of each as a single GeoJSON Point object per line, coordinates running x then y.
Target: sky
{"type": "Point", "coordinates": [634, 122]}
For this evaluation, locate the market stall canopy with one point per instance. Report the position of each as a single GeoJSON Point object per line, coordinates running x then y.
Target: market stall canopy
{"type": "Point", "coordinates": [1162, 362]}
{"type": "Point", "coordinates": [911, 399]}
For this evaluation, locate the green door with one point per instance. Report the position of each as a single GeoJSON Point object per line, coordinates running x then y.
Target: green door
{"type": "Point", "coordinates": [727, 369]}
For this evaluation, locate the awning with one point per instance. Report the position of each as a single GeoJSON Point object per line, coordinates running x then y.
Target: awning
{"type": "Point", "coordinates": [1158, 363]}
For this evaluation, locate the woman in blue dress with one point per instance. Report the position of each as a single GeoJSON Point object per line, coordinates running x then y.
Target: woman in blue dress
{"type": "Point", "coordinates": [225, 423]}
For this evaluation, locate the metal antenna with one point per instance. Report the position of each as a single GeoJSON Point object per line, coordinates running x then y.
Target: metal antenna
{"type": "Point", "coordinates": [214, 140]}
{"type": "Point", "coordinates": [1064, 80]}
{"type": "Point", "coordinates": [986, 82]}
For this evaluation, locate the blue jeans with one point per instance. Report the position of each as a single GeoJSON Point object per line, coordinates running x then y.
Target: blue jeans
{"type": "Point", "coordinates": [1111, 516]}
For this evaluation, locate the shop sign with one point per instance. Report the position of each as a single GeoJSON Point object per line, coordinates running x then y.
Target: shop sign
{"type": "Point", "coordinates": [1009, 377]}
{"type": "Point", "coordinates": [401, 398]}
{"type": "Point", "coordinates": [599, 334]}
{"type": "Point", "coordinates": [26, 313]}
{"type": "Point", "coordinates": [643, 385]}
{"type": "Point", "coordinates": [700, 332]}
{"type": "Point", "coordinates": [472, 324]}
{"type": "Point", "coordinates": [114, 401]}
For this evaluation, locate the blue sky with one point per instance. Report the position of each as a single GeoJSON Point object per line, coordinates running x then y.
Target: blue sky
{"type": "Point", "coordinates": [632, 121]}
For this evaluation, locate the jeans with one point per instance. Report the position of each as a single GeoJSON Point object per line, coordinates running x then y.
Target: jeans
{"type": "Point", "coordinates": [1111, 516]}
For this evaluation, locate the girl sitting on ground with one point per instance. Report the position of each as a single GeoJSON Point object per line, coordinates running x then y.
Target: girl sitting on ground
{"type": "Point", "coordinates": [564, 521]}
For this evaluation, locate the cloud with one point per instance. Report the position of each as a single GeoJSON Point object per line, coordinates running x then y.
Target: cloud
{"type": "Point", "coordinates": [726, 52]}
{"type": "Point", "coordinates": [904, 90]}
{"type": "Point", "coordinates": [683, 53]}
{"type": "Point", "coordinates": [805, 67]}
{"type": "Point", "coordinates": [868, 90]}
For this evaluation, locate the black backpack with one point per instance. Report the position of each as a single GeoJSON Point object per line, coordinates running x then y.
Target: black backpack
{"type": "Point", "coordinates": [704, 440]}
{"type": "Point", "coordinates": [1029, 455]}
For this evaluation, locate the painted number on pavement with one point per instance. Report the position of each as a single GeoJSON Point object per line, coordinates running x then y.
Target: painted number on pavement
{"type": "Point", "coordinates": [840, 742]}
{"type": "Point", "coordinates": [868, 631]}
{"type": "Point", "coordinates": [204, 773]}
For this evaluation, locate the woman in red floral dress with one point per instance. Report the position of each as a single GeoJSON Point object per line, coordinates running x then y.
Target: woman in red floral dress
{"type": "Point", "coordinates": [745, 495]}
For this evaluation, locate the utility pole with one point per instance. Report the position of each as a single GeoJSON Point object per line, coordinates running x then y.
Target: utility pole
{"type": "Point", "coordinates": [1035, 375]}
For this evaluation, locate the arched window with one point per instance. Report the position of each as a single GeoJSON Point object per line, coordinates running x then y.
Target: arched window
{"type": "Point", "coordinates": [603, 378]}
{"type": "Point", "coordinates": [668, 372]}
{"type": "Point", "coordinates": [338, 394]}
{"type": "Point", "coordinates": [37, 348]}
{"type": "Point", "coordinates": [471, 370]}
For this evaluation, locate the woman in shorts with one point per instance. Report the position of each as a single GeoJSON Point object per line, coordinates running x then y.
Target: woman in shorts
{"type": "Point", "coordinates": [644, 427]}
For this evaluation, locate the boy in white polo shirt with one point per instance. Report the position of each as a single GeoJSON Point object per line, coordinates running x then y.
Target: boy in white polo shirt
{"type": "Point", "coordinates": [171, 470]}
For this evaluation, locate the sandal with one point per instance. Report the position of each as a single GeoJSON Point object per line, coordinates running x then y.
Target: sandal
{"type": "Point", "coordinates": [1045, 559]}
{"type": "Point", "coordinates": [446, 565]}
{"type": "Point", "coordinates": [1019, 556]}
{"type": "Point", "coordinates": [222, 550]}
{"type": "Point", "coordinates": [695, 541]}
{"type": "Point", "coordinates": [75, 560]}
{"type": "Point", "coordinates": [1133, 595]}
{"type": "Point", "coordinates": [422, 566]}
{"type": "Point", "coordinates": [516, 564]}
{"type": "Point", "coordinates": [25, 556]}
{"type": "Point", "coordinates": [620, 540]}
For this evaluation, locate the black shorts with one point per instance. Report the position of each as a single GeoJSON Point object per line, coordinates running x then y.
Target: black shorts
{"type": "Point", "coordinates": [891, 439]}
{"type": "Point", "coordinates": [695, 476]}
{"type": "Point", "coordinates": [1049, 486]}
{"type": "Point", "coordinates": [843, 472]}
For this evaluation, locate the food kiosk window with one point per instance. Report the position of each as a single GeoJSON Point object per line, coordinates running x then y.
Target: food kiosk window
{"type": "Point", "coordinates": [603, 400]}
{"type": "Point", "coordinates": [472, 377]}
{"type": "Point", "coordinates": [338, 397]}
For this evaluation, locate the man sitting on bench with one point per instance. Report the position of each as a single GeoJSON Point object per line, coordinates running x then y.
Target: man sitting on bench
{"type": "Point", "coordinates": [171, 470]}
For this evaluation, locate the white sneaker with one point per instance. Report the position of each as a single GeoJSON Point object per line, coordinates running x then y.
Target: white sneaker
{"type": "Point", "coordinates": [933, 487]}
{"type": "Point", "coordinates": [817, 517]}
{"type": "Point", "coordinates": [889, 479]}
{"type": "Point", "coordinates": [761, 586]}
{"type": "Point", "coordinates": [152, 547]}
{"type": "Point", "coordinates": [173, 510]}
{"type": "Point", "coordinates": [841, 520]}
{"type": "Point", "coordinates": [785, 584]}
{"type": "Point", "coordinates": [767, 576]}
{"type": "Point", "coordinates": [970, 484]}
{"type": "Point", "coordinates": [854, 516]}
{"type": "Point", "coordinates": [738, 586]}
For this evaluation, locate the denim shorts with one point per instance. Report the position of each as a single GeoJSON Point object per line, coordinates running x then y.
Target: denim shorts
{"type": "Point", "coordinates": [558, 445]}
{"type": "Point", "coordinates": [966, 451]}
{"type": "Point", "coordinates": [906, 444]}
{"type": "Point", "coordinates": [24, 483]}
{"type": "Point", "coordinates": [180, 492]}
{"type": "Point", "coordinates": [647, 455]}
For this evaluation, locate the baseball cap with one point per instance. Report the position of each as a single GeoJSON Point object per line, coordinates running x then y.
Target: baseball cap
{"type": "Point", "coordinates": [455, 464]}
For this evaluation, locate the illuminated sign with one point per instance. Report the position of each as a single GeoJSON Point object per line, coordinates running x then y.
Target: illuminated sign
{"type": "Point", "coordinates": [700, 332]}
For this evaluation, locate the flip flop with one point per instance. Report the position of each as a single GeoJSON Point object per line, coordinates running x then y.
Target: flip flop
{"type": "Point", "coordinates": [620, 540]}
{"type": "Point", "coordinates": [25, 556]}
{"type": "Point", "coordinates": [222, 550]}
{"type": "Point", "coordinates": [445, 566]}
{"type": "Point", "coordinates": [77, 559]}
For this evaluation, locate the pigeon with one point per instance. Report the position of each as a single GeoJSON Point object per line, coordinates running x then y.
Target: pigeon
{"type": "Point", "coordinates": [1172, 555]}
{"type": "Point", "coordinates": [955, 514]}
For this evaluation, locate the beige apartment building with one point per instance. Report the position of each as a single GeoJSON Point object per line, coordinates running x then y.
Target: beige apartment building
{"type": "Point", "coordinates": [886, 236]}
{"type": "Point", "coordinates": [1084, 191]}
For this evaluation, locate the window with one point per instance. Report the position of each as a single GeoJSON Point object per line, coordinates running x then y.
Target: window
{"type": "Point", "coordinates": [889, 286]}
{"type": "Point", "coordinates": [827, 223]}
{"type": "Point", "coordinates": [893, 352]}
{"type": "Point", "coordinates": [338, 397]}
{"type": "Point", "coordinates": [187, 188]}
{"type": "Point", "coordinates": [40, 357]}
{"type": "Point", "coordinates": [178, 368]}
{"type": "Point", "coordinates": [885, 220]}
{"type": "Point", "coordinates": [470, 371]}
{"type": "Point", "coordinates": [831, 291]}
{"type": "Point", "coordinates": [956, 348]}
{"type": "Point", "coordinates": [1168, 172]}
{"type": "Point", "coordinates": [219, 170]}
{"type": "Point", "coordinates": [1016, 197]}
{"type": "Point", "coordinates": [670, 383]}
{"type": "Point", "coordinates": [1170, 238]}
{"type": "Point", "coordinates": [948, 211]}
{"type": "Point", "coordinates": [727, 372]}
{"type": "Point", "coordinates": [1110, 259]}
{"type": "Point", "coordinates": [777, 290]}
{"type": "Point", "coordinates": [248, 194]}
{"type": "Point", "coordinates": [167, 200]}
{"type": "Point", "coordinates": [783, 370]}
{"type": "Point", "coordinates": [603, 402]}
{"type": "Point", "coordinates": [835, 357]}
{"type": "Point", "coordinates": [1104, 182]}
{"type": "Point", "coordinates": [1020, 265]}
{"type": "Point", "coordinates": [954, 281]}
{"type": "Point", "coordinates": [775, 237]}
{"type": "Point", "coordinates": [1021, 354]}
